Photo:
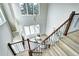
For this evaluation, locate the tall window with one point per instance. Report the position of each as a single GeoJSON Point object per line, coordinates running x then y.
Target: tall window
{"type": "Point", "coordinates": [33, 29]}
{"type": "Point", "coordinates": [2, 19]}
{"type": "Point", "coordinates": [29, 8]}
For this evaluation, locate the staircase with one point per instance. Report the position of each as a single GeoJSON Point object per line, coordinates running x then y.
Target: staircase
{"type": "Point", "coordinates": [62, 48]}
{"type": "Point", "coordinates": [65, 47]}
{"type": "Point", "coordinates": [58, 43]}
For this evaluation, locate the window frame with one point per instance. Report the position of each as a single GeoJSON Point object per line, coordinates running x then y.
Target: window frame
{"type": "Point", "coordinates": [33, 11]}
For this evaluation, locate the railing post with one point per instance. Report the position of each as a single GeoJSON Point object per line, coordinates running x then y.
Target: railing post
{"type": "Point", "coordinates": [69, 22]}
{"type": "Point", "coordinates": [9, 45]}
{"type": "Point", "coordinates": [23, 42]}
{"type": "Point", "coordinates": [30, 51]}
{"type": "Point", "coordinates": [48, 45]}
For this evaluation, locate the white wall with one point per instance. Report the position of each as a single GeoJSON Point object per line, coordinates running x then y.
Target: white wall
{"type": "Point", "coordinates": [28, 20]}
{"type": "Point", "coordinates": [5, 38]}
{"type": "Point", "coordinates": [58, 13]}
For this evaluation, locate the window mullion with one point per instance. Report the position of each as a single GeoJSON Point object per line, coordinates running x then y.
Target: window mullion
{"type": "Point", "coordinates": [27, 8]}
{"type": "Point", "coordinates": [33, 9]}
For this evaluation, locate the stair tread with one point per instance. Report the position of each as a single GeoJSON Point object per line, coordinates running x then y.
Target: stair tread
{"type": "Point", "coordinates": [47, 53]}
{"type": "Point", "coordinates": [60, 50]}
{"type": "Point", "coordinates": [71, 44]}
{"type": "Point", "coordinates": [67, 49]}
{"type": "Point", "coordinates": [53, 51]}
{"type": "Point", "coordinates": [74, 33]}
{"type": "Point", "coordinates": [74, 36]}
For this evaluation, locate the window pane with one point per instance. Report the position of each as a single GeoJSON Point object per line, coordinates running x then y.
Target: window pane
{"type": "Point", "coordinates": [32, 29]}
{"type": "Point", "coordinates": [23, 8]}
{"type": "Point", "coordinates": [26, 29]}
{"type": "Point", "coordinates": [37, 29]}
{"type": "Point", "coordinates": [30, 8]}
{"type": "Point", "coordinates": [36, 8]}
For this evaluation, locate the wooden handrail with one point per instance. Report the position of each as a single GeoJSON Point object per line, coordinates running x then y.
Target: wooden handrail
{"type": "Point", "coordinates": [73, 13]}
{"type": "Point", "coordinates": [55, 31]}
{"type": "Point", "coordinates": [22, 41]}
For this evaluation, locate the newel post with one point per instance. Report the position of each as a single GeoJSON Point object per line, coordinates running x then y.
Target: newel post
{"type": "Point", "coordinates": [30, 51]}
{"type": "Point", "coordinates": [69, 22]}
{"type": "Point", "coordinates": [23, 42]}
